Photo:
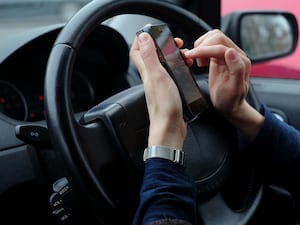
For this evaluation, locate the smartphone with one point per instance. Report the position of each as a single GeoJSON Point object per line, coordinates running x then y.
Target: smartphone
{"type": "Point", "coordinates": [170, 56]}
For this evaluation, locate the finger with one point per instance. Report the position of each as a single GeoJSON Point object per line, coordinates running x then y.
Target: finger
{"type": "Point", "coordinates": [143, 53]}
{"type": "Point", "coordinates": [203, 54]}
{"type": "Point", "coordinates": [135, 55]}
{"type": "Point", "coordinates": [202, 38]}
{"type": "Point", "coordinates": [179, 42]}
{"type": "Point", "coordinates": [238, 67]}
{"type": "Point", "coordinates": [149, 56]}
{"type": "Point", "coordinates": [188, 61]}
{"type": "Point", "coordinates": [216, 37]}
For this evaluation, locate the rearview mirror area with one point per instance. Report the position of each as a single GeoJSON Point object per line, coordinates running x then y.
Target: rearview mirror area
{"type": "Point", "coordinates": [263, 35]}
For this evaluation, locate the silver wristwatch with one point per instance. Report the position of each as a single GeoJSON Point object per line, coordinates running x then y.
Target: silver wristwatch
{"type": "Point", "coordinates": [174, 155]}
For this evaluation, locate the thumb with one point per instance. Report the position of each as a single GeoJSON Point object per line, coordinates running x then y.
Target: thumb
{"type": "Point", "coordinates": [148, 52]}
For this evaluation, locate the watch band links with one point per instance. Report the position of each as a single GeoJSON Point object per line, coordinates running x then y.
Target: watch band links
{"type": "Point", "coordinates": [174, 155]}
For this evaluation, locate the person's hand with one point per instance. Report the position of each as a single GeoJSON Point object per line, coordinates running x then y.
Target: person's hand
{"type": "Point", "coordinates": [167, 127]}
{"type": "Point", "coordinates": [229, 71]}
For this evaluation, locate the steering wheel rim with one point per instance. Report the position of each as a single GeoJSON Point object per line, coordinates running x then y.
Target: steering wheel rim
{"type": "Point", "coordinates": [73, 138]}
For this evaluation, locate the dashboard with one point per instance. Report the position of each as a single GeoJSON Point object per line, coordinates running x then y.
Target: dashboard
{"type": "Point", "coordinates": [99, 71]}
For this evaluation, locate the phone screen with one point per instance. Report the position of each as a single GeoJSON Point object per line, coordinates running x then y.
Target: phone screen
{"type": "Point", "coordinates": [170, 56]}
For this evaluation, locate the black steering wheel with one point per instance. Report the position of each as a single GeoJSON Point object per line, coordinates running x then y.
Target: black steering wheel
{"type": "Point", "coordinates": [103, 150]}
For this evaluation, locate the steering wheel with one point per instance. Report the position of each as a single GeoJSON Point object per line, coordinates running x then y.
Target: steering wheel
{"type": "Point", "coordinates": [103, 149]}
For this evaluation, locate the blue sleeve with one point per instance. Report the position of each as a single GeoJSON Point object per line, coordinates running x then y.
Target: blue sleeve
{"type": "Point", "coordinates": [167, 192]}
{"type": "Point", "coordinates": [278, 147]}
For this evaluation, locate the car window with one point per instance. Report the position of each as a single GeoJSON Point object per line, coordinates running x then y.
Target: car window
{"type": "Point", "coordinates": [20, 15]}
{"type": "Point", "coordinates": [16, 15]}
{"type": "Point", "coordinates": [287, 67]}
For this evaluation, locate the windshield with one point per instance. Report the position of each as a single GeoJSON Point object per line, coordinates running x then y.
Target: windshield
{"type": "Point", "coordinates": [21, 15]}
{"type": "Point", "coordinates": [16, 15]}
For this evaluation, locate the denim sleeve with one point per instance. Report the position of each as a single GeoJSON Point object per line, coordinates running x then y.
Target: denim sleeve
{"type": "Point", "coordinates": [167, 193]}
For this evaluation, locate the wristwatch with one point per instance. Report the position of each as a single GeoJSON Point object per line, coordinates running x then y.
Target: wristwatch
{"type": "Point", "coordinates": [174, 155]}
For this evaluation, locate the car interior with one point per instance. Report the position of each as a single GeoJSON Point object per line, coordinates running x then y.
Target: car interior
{"type": "Point", "coordinates": [74, 121]}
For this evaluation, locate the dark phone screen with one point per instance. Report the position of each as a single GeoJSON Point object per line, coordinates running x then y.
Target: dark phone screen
{"type": "Point", "coordinates": [180, 70]}
{"type": "Point", "coordinates": [171, 58]}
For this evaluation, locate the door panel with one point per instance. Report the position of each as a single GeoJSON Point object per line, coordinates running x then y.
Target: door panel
{"type": "Point", "coordinates": [282, 96]}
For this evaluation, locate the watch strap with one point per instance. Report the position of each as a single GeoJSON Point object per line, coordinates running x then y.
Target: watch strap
{"type": "Point", "coordinates": [174, 155]}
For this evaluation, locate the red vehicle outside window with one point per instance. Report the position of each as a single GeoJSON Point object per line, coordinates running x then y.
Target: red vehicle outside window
{"type": "Point", "coordinates": [286, 67]}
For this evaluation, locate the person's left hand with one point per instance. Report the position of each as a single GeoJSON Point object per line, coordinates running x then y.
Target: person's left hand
{"type": "Point", "coordinates": [167, 127]}
{"type": "Point", "coordinates": [229, 71]}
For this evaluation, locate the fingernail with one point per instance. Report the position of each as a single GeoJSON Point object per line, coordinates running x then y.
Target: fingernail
{"type": "Point", "coordinates": [143, 37]}
{"type": "Point", "coordinates": [232, 55]}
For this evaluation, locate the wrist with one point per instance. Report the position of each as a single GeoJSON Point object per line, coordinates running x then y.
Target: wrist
{"type": "Point", "coordinates": [172, 135]}
{"type": "Point", "coordinates": [247, 120]}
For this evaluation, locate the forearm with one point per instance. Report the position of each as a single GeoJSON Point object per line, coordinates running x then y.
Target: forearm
{"type": "Point", "coordinates": [279, 145]}
{"type": "Point", "coordinates": [167, 193]}
{"type": "Point", "coordinates": [276, 148]}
